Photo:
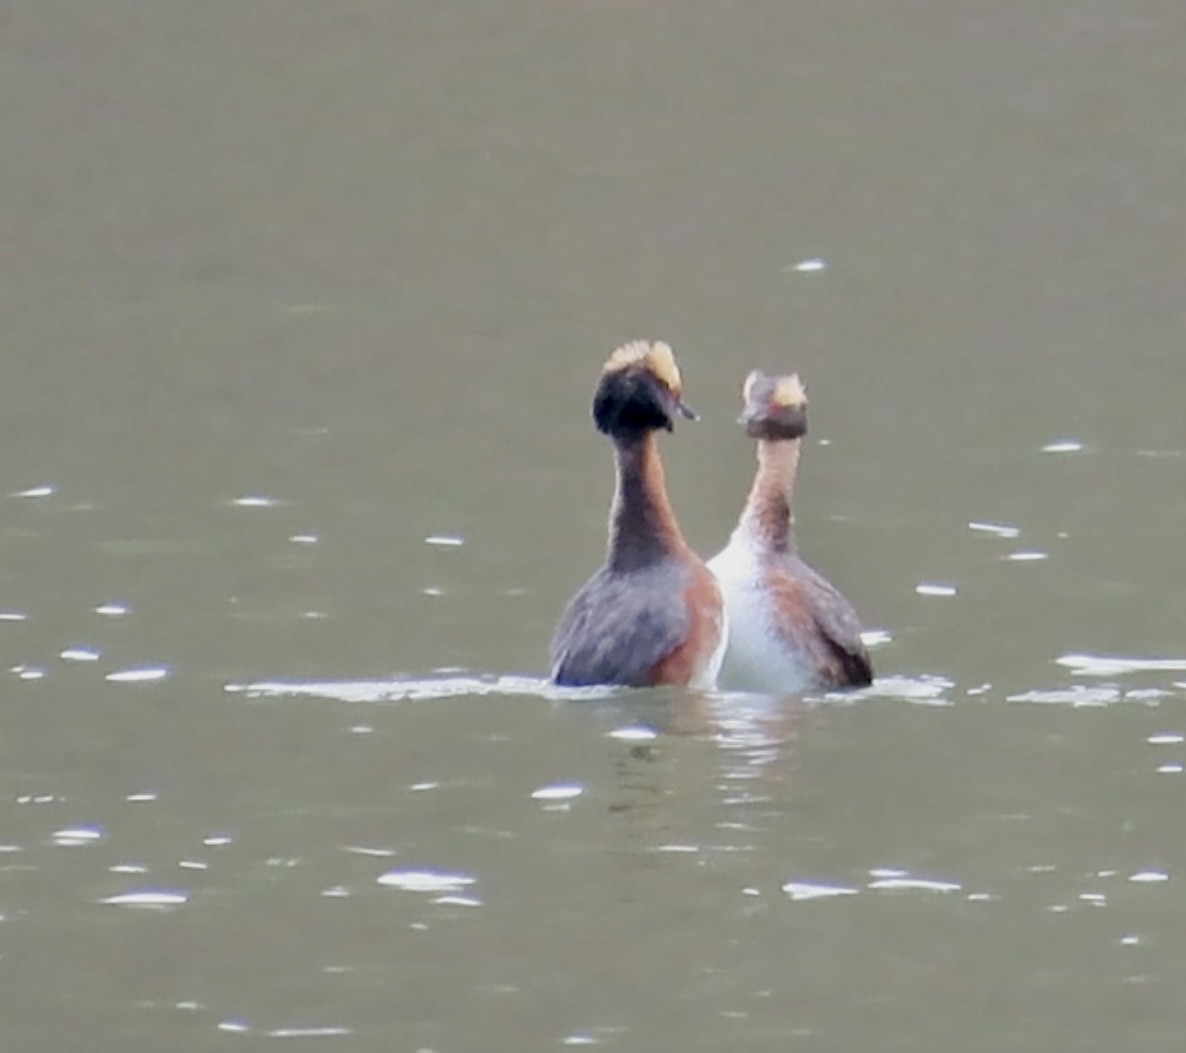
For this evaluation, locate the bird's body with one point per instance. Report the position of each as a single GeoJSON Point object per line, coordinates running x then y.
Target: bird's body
{"type": "Point", "coordinates": [652, 614]}
{"type": "Point", "coordinates": [790, 629]}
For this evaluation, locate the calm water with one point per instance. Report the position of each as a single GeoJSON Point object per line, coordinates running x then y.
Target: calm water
{"type": "Point", "coordinates": [303, 307]}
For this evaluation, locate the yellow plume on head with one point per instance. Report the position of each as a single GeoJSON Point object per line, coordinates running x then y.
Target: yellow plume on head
{"type": "Point", "coordinates": [789, 392]}
{"type": "Point", "coordinates": [656, 358]}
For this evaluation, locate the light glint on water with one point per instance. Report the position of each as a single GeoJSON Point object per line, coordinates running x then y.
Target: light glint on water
{"type": "Point", "coordinates": [425, 880]}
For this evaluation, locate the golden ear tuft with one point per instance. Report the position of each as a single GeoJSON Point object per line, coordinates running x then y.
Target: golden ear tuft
{"type": "Point", "coordinates": [660, 360]}
{"type": "Point", "coordinates": [657, 359]}
{"type": "Point", "coordinates": [627, 355]}
{"type": "Point", "coordinates": [789, 393]}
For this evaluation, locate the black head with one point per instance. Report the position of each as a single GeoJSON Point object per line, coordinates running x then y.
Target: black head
{"type": "Point", "coordinates": [639, 391]}
{"type": "Point", "coordinates": [775, 407]}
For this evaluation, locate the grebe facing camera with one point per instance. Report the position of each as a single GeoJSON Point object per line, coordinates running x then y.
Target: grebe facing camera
{"type": "Point", "coordinates": [790, 630]}
{"type": "Point", "coordinates": [653, 613]}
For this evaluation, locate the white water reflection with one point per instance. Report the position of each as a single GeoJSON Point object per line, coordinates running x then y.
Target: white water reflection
{"type": "Point", "coordinates": [74, 836]}
{"type": "Point", "coordinates": [928, 688]}
{"type": "Point", "coordinates": [144, 675]}
{"type": "Point", "coordinates": [1118, 665]}
{"type": "Point", "coordinates": [426, 880]}
{"type": "Point", "coordinates": [557, 792]}
{"type": "Point", "coordinates": [882, 881]}
{"type": "Point", "coordinates": [80, 654]}
{"type": "Point", "coordinates": [150, 899]}
{"type": "Point", "coordinates": [309, 1032]}
{"type": "Point", "coordinates": [445, 540]}
{"type": "Point", "coordinates": [633, 733]}
{"type": "Point", "coordinates": [1076, 695]}
{"type": "Point", "coordinates": [812, 265]}
{"type": "Point", "coordinates": [1002, 530]}
{"type": "Point", "coordinates": [900, 884]}
{"type": "Point", "coordinates": [805, 890]}
{"type": "Point", "coordinates": [418, 689]}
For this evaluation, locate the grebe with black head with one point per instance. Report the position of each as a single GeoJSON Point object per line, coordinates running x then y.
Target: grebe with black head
{"type": "Point", "coordinates": [653, 614]}
{"type": "Point", "coordinates": [790, 630]}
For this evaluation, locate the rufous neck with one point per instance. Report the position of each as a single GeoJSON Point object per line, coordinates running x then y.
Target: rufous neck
{"type": "Point", "coordinates": [642, 526]}
{"type": "Point", "coordinates": [767, 513]}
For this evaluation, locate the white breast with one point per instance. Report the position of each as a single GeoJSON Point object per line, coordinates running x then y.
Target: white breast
{"type": "Point", "coordinates": [756, 658]}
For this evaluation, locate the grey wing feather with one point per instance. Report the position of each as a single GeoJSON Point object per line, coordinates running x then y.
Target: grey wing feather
{"type": "Point", "coordinates": [616, 628]}
{"type": "Point", "coordinates": [839, 624]}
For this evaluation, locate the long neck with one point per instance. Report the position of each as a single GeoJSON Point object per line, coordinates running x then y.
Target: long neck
{"type": "Point", "coordinates": [767, 513]}
{"type": "Point", "coordinates": [642, 526]}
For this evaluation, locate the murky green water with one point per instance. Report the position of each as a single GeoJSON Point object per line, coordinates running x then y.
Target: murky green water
{"type": "Point", "coordinates": [302, 310]}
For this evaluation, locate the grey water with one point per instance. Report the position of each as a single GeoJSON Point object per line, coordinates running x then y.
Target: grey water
{"type": "Point", "coordinates": [303, 306]}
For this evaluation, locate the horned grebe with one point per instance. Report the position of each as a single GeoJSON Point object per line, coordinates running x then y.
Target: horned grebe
{"type": "Point", "coordinates": [653, 613]}
{"type": "Point", "coordinates": [789, 629]}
